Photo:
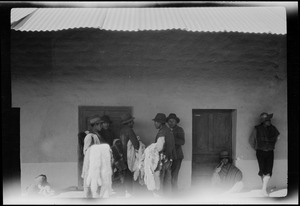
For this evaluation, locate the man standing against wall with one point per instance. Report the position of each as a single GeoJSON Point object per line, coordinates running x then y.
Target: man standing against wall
{"type": "Point", "coordinates": [263, 139]}
{"type": "Point", "coordinates": [168, 152]}
{"type": "Point", "coordinates": [93, 137]}
{"type": "Point", "coordinates": [127, 133]}
{"type": "Point", "coordinates": [178, 134]}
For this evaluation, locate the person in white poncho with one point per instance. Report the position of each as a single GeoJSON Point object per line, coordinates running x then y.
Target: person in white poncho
{"type": "Point", "coordinates": [99, 175]}
{"type": "Point", "coordinates": [92, 137]}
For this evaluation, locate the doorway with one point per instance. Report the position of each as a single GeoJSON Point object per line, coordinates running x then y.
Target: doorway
{"type": "Point", "coordinates": [212, 133]}
{"type": "Point", "coordinates": [84, 113]}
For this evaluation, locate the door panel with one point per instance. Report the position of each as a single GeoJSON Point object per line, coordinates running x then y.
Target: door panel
{"type": "Point", "coordinates": [85, 112]}
{"type": "Point", "coordinates": [202, 141]}
{"type": "Point", "coordinates": [222, 130]}
{"type": "Point", "coordinates": [212, 133]}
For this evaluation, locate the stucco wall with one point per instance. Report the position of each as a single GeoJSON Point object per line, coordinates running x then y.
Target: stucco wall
{"type": "Point", "coordinates": [153, 71]}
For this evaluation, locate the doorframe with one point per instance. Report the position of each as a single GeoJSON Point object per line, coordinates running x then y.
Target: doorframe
{"type": "Point", "coordinates": [233, 132]}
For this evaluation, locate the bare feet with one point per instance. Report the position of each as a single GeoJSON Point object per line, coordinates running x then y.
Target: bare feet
{"type": "Point", "coordinates": [264, 193]}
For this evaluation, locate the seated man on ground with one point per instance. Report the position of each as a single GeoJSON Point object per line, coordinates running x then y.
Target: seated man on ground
{"type": "Point", "coordinates": [227, 178]}
{"type": "Point", "coordinates": [40, 187]}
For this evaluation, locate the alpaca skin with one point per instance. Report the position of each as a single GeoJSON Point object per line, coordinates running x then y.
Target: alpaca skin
{"type": "Point", "coordinates": [100, 171]}
{"type": "Point", "coordinates": [151, 161]}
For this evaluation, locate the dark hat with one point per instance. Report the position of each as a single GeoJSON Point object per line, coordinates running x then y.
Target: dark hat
{"type": "Point", "coordinates": [173, 116]}
{"type": "Point", "coordinates": [41, 178]}
{"type": "Point", "coordinates": [265, 116]}
{"type": "Point", "coordinates": [94, 119]}
{"type": "Point", "coordinates": [105, 118]}
{"type": "Point", "coordinates": [160, 117]}
{"type": "Point", "coordinates": [224, 154]}
{"type": "Point", "coordinates": [126, 118]}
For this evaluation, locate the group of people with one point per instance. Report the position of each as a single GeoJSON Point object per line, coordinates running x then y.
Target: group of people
{"type": "Point", "coordinates": [170, 154]}
{"type": "Point", "coordinates": [226, 177]}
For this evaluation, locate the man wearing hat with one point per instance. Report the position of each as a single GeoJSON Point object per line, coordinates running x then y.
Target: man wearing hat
{"type": "Point", "coordinates": [106, 133]}
{"type": "Point", "coordinates": [93, 137]}
{"type": "Point", "coordinates": [40, 187]}
{"type": "Point", "coordinates": [179, 139]}
{"type": "Point", "coordinates": [227, 178]}
{"type": "Point", "coordinates": [127, 133]}
{"type": "Point", "coordinates": [168, 152]}
{"type": "Point", "coordinates": [263, 139]}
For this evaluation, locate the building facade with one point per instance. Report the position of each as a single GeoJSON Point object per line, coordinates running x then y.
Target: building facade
{"type": "Point", "coordinates": [173, 71]}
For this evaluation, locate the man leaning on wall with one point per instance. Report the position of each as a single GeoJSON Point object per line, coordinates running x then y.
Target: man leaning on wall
{"type": "Point", "coordinates": [263, 139]}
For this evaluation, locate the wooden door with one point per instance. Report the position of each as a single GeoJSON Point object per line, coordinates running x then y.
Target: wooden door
{"type": "Point", "coordinates": [212, 133]}
{"type": "Point", "coordinates": [85, 112]}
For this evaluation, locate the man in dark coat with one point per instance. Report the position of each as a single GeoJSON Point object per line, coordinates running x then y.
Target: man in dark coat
{"type": "Point", "coordinates": [106, 133]}
{"type": "Point", "coordinates": [127, 133]}
{"type": "Point", "coordinates": [168, 152]}
{"type": "Point", "coordinates": [178, 134]}
{"type": "Point", "coordinates": [263, 139]}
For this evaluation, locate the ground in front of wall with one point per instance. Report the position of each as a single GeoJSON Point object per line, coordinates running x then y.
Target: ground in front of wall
{"type": "Point", "coordinates": [142, 196]}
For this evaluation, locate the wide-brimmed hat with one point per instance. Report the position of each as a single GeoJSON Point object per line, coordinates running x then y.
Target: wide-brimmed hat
{"type": "Point", "coordinates": [265, 116]}
{"type": "Point", "coordinates": [105, 118]}
{"type": "Point", "coordinates": [224, 154]}
{"type": "Point", "coordinates": [160, 117]}
{"type": "Point", "coordinates": [95, 119]}
{"type": "Point", "coordinates": [126, 118]}
{"type": "Point", "coordinates": [173, 116]}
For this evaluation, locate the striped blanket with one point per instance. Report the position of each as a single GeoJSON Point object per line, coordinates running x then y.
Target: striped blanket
{"type": "Point", "coordinates": [229, 175]}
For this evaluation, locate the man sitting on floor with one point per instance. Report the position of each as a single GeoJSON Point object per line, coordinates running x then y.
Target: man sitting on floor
{"type": "Point", "coordinates": [227, 178]}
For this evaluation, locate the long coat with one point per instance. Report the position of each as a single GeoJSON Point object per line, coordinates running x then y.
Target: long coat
{"type": "Point", "coordinates": [179, 139]}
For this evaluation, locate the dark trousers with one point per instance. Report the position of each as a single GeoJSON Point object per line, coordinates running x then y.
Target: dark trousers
{"type": "Point", "coordinates": [128, 181]}
{"type": "Point", "coordinates": [166, 178]}
{"type": "Point", "coordinates": [175, 171]}
{"type": "Point", "coordinates": [265, 162]}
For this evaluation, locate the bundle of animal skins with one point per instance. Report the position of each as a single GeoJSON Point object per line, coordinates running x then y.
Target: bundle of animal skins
{"type": "Point", "coordinates": [130, 155]}
{"type": "Point", "coordinates": [100, 170]}
{"type": "Point", "coordinates": [137, 161]}
{"type": "Point", "coordinates": [151, 163]}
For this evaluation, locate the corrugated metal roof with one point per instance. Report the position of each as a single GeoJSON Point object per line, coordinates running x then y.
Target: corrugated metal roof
{"type": "Point", "coordinates": [17, 14]}
{"type": "Point", "coordinates": [209, 19]}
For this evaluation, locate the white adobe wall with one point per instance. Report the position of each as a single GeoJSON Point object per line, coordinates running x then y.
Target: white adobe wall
{"type": "Point", "coordinates": [170, 71]}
